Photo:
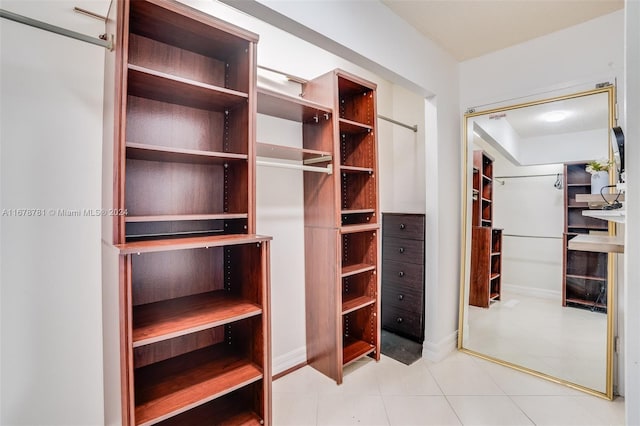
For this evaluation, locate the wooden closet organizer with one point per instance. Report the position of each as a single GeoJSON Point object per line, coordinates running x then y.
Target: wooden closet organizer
{"type": "Point", "coordinates": [486, 241]}
{"type": "Point", "coordinates": [584, 274]}
{"type": "Point", "coordinates": [194, 279]}
{"type": "Point", "coordinates": [339, 156]}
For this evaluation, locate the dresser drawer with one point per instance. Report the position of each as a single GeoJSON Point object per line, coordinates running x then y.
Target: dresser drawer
{"type": "Point", "coordinates": [403, 226]}
{"type": "Point", "coordinates": [405, 296]}
{"type": "Point", "coordinates": [402, 273]}
{"type": "Point", "coordinates": [401, 250]}
{"type": "Point", "coordinates": [402, 321]}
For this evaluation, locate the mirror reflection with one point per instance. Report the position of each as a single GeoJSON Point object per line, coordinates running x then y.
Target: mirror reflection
{"type": "Point", "coordinates": [529, 299]}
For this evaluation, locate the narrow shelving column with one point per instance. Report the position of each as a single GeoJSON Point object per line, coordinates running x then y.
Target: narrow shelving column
{"type": "Point", "coordinates": [584, 275]}
{"type": "Point", "coordinates": [342, 228]}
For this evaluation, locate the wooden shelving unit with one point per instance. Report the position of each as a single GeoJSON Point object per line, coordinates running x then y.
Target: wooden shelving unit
{"type": "Point", "coordinates": [193, 277]}
{"type": "Point", "coordinates": [584, 281]}
{"type": "Point", "coordinates": [486, 242]}
{"type": "Point", "coordinates": [342, 228]}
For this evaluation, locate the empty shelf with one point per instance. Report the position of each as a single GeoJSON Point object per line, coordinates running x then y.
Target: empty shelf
{"type": "Point", "coordinates": [597, 243]}
{"type": "Point", "coordinates": [139, 151]}
{"type": "Point", "coordinates": [291, 108]}
{"type": "Point", "coordinates": [164, 320]}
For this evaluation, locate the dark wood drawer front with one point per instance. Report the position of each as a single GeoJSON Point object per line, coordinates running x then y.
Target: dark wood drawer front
{"type": "Point", "coordinates": [406, 296]}
{"type": "Point", "coordinates": [401, 250]}
{"type": "Point", "coordinates": [402, 273]}
{"type": "Point", "coordinates": [403, 226]}
{"type": "Point", "coordinates": [404, 322]}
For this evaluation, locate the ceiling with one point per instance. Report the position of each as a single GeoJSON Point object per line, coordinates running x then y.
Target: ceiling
{"type": "Point", "coordinates": [472, 28]}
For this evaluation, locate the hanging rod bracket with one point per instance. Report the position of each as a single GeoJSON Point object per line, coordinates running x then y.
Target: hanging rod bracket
{"type": "Point", "coordinates": [108, 44]}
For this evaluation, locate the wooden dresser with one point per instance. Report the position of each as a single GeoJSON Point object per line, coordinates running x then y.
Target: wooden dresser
{"type": "Point", "coordinates": [403, 274]}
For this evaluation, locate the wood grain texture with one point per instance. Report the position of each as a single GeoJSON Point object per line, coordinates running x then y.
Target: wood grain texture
{"type": "Point", "coordinates": [164, 320]}
{"type": "Point", "coordinates": [479, 288]}
{"type": "Point", "coordinates": [139, 247]}
{"type": "Point", "coordinates": [322, 301]}
{"type": "Point", "coordinates": [176, 385]}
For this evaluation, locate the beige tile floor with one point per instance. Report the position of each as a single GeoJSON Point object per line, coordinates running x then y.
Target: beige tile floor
{"type": "Point", "coordinates": [459, 390]}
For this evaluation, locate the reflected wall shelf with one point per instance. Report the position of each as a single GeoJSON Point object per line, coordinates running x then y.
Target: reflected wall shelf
{"type": "Point", "coordinates": [617, 215]}
{"type": "Point", "coordinates": [597, 243]}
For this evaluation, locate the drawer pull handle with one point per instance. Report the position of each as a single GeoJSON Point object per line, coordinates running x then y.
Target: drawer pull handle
{"type": "Point", "coordinates": [401, 249]}
{"type": "Point", "coordinates": [399, 320]}
{"type": "Point", "coordinates": [400, 296]}
{"type": "Point", "coordinates": [402, 226]}
{"type": "Point", "coordinates": [401, 274]}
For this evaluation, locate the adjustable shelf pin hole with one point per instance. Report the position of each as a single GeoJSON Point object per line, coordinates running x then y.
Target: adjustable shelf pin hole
{"type": "Point", "coordinates": [401, 274]}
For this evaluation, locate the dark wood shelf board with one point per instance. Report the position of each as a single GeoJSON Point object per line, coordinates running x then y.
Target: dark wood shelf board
{"type": "Point", "coordinates": [354, 349]}
{"type": "Point", "coordinates": [357, 211]}
{"type": "Point", "coordinates": [146, 83]}
{"type": "Point", "coordinates": [138, 247]}
{"type": "Point", "coordinates": [350, 229]}
{"type": "Point", "coordinates": [358, 268]}
{"type": "Point", "coordinates": [353, 127]}
{"type": "Point", "coordinates": [586, 277]}
{"type": "Point", "coordinates": [178, 384]}
{"type": "Point", "coordinates": [350, 304]}
{"type": "Point", "coordinates": [139, 151]}
{"type": "Point", "coordinates": [185, 217]}
{"type": "Point", "coordinates": [355, 169]}
{"type": "Point", "coordinates": [281, 152]}
{"type": "Point", "coordinates": [586, 302]}
{"type": "Point", "coordinates": [164, 320]}
{"type": "Point", "coordinates": [289, 107]}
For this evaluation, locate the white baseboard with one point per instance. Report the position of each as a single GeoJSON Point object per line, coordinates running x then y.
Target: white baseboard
{"type": "Point", "coordinates": [289, 360]}
{"type": "Point", "coordinates": [437, 351]}
{"type": "Point", "coordinates": [533, 292]}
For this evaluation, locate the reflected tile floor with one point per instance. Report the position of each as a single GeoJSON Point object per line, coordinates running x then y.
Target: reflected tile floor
{"type": "Point", "coordinates": [459, 390]}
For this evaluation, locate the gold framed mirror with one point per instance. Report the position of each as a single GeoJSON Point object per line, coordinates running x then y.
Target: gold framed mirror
{"type": "Point", "coordinates": [530, 297]}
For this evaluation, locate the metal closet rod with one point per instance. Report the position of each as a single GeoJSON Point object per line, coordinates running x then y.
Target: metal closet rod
{"type": "Point", "coordinates": [328, 170]}
{"type": "Point", "coordinates": [531, 236]}
{"type": "Point", "coordinates": [525, 176]}
{"type": "Point", "coordinates": [301, 80]}
{"type": "Point", "coordinates": [108, 44]}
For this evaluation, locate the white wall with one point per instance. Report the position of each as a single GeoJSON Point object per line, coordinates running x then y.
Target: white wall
{"type": "Point", "coordinates": [51, 114]}
{"type": "Point", "coordinates": [542, 68]}
{"type": "Point", "coordinates": [631, 128]}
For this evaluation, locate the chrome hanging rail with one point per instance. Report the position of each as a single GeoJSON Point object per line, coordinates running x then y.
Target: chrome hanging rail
{"type": "Point", "coordinates": [391, 120]}
{"type": "Point", "coordinates": [328, 170]}
{"type": "Point", "coordinates": [108, 44]}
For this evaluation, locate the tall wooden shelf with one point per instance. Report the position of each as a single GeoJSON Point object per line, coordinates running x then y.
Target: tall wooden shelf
{"type": "Point", "coordinates": [486, 242]}
{"type": "Point", "coordinates": [194, 278]}
{"type": "Point", "coordinates": [584, 275]}
{"type": "Point", "coordinates": [342, 228]}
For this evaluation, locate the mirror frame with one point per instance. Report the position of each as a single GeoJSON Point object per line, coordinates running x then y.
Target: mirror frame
{"type": "Point", "coordinates": [465, 246]}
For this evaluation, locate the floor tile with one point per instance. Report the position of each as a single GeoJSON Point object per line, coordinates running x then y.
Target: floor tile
{"type": "Point", "coordinates": [419, 410]}
{"type": "Point", "coordinates": [346, 409]}
{"type": "Point", "coordinates": [302, 381]}
{"type": "Point", "coordinates": [295, 409]}
{"type": "Point", "coordinates": [488, 410]}
{"type": "Point", "coordinates": [562, 410]}
{"type": "Point", "coordinates": [395, 378]}
{"type": "Point", "coordinates": [514, 382]}
{"type": "Point", "coordinates": [459, 374]}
